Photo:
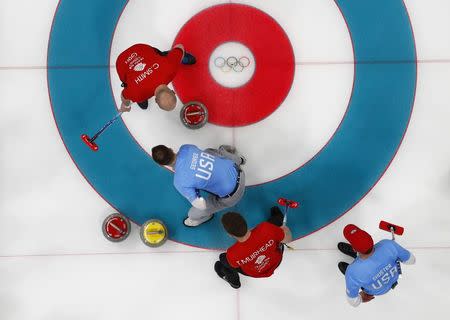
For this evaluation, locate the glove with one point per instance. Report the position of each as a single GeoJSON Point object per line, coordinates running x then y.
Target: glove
{"type": "Point", "coordinates": [199, 203]}
{"type": "Point", "coordinates": [365, 297]}
{"type": "Point", "coordinates": [179, 46]}
{"type": "Point", "coordinates": [124, 108]}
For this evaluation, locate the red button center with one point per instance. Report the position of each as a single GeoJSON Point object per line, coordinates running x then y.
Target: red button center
{"type": "Point", "coordinates": [274, 64]}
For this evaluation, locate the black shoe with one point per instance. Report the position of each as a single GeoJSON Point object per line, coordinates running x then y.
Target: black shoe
{"type": "Point", "coordinates": [343, 267]}
{"type": "Point", "coordinates": [276, 216]}
{"type": "Point", "coordinates": [276, 211]}
{"type": "Point", "coordinates": [143, 104]}
{"type": "Point", "coordinates": [219, 270]}
{"type": "Point", "coordinates": [188, 59]}
{"type": "Point", "coordinates": [347, 249]}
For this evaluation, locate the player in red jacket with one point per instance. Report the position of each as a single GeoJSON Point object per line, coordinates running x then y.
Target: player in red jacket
{"type": "Point", "coordinates": [146, 71]}
{"type": "Point", "coordinates": [257, 252]}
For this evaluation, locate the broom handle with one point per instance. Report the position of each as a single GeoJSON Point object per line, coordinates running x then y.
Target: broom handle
{"type": "Point", "coordinates": [285, 215]}
{"type": "Point", "coordinates": [399, 268]}
{"type": "Point", "coordinates": [110, 122]}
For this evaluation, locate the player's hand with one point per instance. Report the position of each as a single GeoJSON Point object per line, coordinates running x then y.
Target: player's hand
{"type": "Point", "coordinates": [365, 297]}
{"type": "Point", "coordinates": [199, 203]}
{"type": "Point", "coordinates": [180, 46]}
{"type": "Point", "coordinates": [124, 108]}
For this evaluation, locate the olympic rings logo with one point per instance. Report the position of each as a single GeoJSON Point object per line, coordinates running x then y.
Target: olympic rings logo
{"type": "Point", "coordinates": [232, 63]}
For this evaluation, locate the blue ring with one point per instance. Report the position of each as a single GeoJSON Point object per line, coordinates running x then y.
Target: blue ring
{"type": "Point", "coordinates": [327, 187]}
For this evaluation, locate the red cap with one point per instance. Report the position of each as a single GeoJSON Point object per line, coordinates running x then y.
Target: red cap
{"type": "Point", "coordinates": [360, 240]}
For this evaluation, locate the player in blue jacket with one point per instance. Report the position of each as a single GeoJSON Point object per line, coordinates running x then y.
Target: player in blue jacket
{"type": "Point", "coordinates": [375, 269]}
{"type": "Point", "coordinates": [216, 171]}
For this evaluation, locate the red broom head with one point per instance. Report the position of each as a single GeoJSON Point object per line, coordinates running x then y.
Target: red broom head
{"type": "Point", "coordinates": [91, 144]}
{"type": "Point", "coordinates": [290, 203]}
{"type": "Point", "coordinates": [386, 226]}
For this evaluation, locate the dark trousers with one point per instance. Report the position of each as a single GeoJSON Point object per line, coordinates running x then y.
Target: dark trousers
{"type": "Point", "coordinates": [232, 274]}
{"type": "Point", "coordinates": [165, 53]}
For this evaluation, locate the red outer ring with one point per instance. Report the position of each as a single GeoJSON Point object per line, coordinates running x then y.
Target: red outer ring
{"type": "Point", "coordinates": [274, 58]}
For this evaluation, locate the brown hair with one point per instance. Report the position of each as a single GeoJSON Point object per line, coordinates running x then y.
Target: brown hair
{"type": "Point", "coordinates": [234, 224]}
{"type": "Point", "coordinates": [162, 155]}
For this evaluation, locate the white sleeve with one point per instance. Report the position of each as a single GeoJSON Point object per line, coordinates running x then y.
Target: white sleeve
{"type": "Point", "coordinates": [199, 203]}
{"type": "Point", "coordinates": [354, 301]}
{"type": "Point", "coordinates": [411, 260]}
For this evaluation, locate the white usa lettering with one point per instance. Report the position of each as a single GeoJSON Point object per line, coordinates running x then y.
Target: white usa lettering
{"type": "Point", "coordinates": [205, 166]}
{"type": "Point", "coordinates": [385, 278]}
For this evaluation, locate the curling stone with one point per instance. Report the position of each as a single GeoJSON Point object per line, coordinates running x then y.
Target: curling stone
{"type": "Point", "coordinates": [194, 115]}
{"type": "Point", "coordinates": [154, 233]}
{"type": "Point", "coordinates": [116, 227]}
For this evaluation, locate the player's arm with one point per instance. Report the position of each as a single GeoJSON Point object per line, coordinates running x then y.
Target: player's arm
{"type": "Point", "coordinates": [404, 255]}
{"type": "Point", "coordinates": [176, 54]}
{"type": "Point", "coordinates": [354, 297]}
{"type": "Point", "coordinates": [354, 302]}
{"type": "Point", "coordinates": [411, 260]}
{"type": "Point", "coordinates": [281, 234]}
{"type": "Point", "coordinates": [193, 196]}
{"type": "Point", "coordinates": [362, 297]}
{"type": "Point", "coordinates": [125, 105]}
{"type": "Point", "coordinates": [179, 46]}
{"type": "Point", "coordinates": [287, 234]}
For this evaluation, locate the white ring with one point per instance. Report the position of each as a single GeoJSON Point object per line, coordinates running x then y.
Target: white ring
{"type": "Point", "coordinates": [226, 68]}
{"type": "Point", "coordinates": [247, 59]}
{"type": "Point", "coordinates": [239, 67]}
{"type": "Point", "coordinates": [217, 64]}
{"type": "Point", "coordinates": [232, 64]}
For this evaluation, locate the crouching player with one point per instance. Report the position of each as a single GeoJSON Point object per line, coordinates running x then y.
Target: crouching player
{"type": "Point", "coordinates": [376, 268]}
{"type": "Point", "coordinates": [257, 252]}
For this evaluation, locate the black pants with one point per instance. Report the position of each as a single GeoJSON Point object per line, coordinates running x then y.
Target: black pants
{"type": "Point", "coordinates": [161, 53]}
{"type": "Point", "coordinates": [232, 274]}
